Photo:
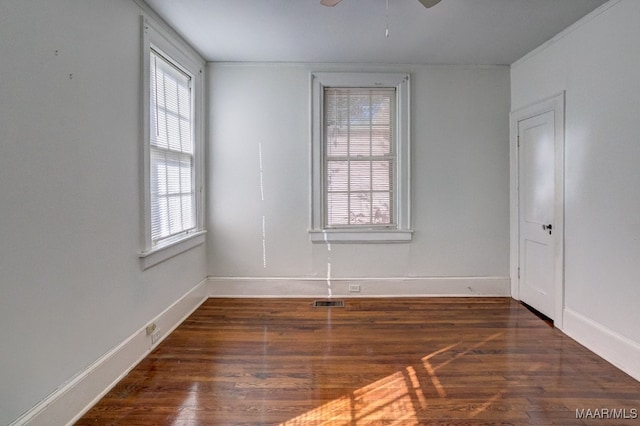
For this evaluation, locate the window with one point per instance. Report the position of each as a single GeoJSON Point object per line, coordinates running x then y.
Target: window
{"type": "Point", "coordinates": [172, 148]}
{"type": "Point", "coordinates": [172, 191]}
{"type": "Point", "coordinates": [360, 157]}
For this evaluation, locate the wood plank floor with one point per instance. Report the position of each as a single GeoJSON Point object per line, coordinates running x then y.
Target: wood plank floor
{"type": "Point", "coordinates": [400, 361]}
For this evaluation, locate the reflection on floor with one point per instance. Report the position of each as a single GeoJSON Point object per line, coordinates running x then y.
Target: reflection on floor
{"type": "Point", "coordinates": [375, 361]}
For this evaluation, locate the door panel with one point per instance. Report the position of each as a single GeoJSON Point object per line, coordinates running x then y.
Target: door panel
{"type": "Point", "coordinates": [537, 281]}
{"type": "Point", "coordinates": [537, 150]}
{"type": "Point", "coordinates": [536, 198]}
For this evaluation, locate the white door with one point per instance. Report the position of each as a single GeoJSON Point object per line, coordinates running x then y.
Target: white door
{"type": "Point", "coordinates": [536, 173]}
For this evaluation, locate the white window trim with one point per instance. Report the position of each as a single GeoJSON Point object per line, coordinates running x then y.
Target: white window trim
{"type": "Point", "coordinates": [402, 208]}
{"type": "Point", "coordinates": [156, 37]}
{"type": "Point", "coordinates": [171, 249]}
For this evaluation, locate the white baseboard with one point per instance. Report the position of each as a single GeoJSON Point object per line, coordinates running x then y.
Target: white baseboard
{"type": "Point", "coordinates": [69, 402]}
{"type": "Point", "coordinates": [618, 350]}
{"type": "Point", "coordinates": [369, 287]}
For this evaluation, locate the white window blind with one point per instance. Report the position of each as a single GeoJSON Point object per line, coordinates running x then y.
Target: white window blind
{"type": "Point", "coordinates": [360, 158]}
{"type": "Point", "coordinates": [171, 151]}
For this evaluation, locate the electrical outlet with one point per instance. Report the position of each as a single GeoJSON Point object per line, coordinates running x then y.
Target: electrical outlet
{"type": "Point", "coordinates": [151, 328]}
{"type": "Point", "coordinates": [354, 288]}
{"type": "Point", "coordinates": [155, 336]}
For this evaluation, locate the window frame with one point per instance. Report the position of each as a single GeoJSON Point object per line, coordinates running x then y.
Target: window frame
{"type": "Point", "coordinates": [319, 231]}
{"type": "Point", "coordinates": [156, 38]}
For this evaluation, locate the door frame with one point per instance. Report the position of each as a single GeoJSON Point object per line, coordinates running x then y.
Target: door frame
{"type": "Point", "coordinates": [556, 104]}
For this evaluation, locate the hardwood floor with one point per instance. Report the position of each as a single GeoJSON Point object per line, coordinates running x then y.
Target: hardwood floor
{"type": "Point", "coordinates": [376, 361]}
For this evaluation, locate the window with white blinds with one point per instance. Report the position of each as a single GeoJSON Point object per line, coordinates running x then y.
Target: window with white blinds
{"type": "Point", "coordinates": [171, 151]}
{"type": "Point", "coordinates": [359, 156]}
{"type": "Point", "coordinates": [172, 145]}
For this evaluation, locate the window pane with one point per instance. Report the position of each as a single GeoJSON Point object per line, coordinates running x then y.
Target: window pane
{"type": "Point", "coordinates": [360, 176]}
{"type": "Point", "coordinates": [186, 177]}
{"type": "Point", "coordinates": [381, 175]}
{"type": "Point", "coordinates": [381, 140]}
{"type": "Point", "coordinates": [337, 107]}
{"type": "Point", "coordinates": [174, 214]}
{"type": "Point", "coordinates": [186, 141]}
{"type": "Point", "coordinates": [381, 208]}
{"type": "Point", "coordinates": [360, 140]}
{"type": "Point", "coordinates": [188, 220]}
{"type": "Point", "coordinates": [158, 128]}
{"type": "Point", "coordinates": [337, 141]}
{"type": "Point", "coordinates": [158, 173]}
{"type": "Point", "coordinates": [337, 175]}
{"type": "Point", "coordinates": [173, 177]}
{"type": "Point", "coordinates": [159, 227]}
{"type": "Point", "coordinates": [360, 208]}
{"type": "Point", "coordinates": [337, 209]}
{"type": "Point", "coordinates": [173, 132]}
{"type": "Point", "coordinates": [381, 102]}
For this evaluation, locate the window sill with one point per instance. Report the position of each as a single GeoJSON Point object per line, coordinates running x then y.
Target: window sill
{"type": "Point", "coordinates": [361, 236]}
{"type": "Point", "coordinates": [167, 251]}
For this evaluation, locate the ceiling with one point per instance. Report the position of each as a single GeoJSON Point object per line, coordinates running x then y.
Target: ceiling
{"type": "Point", "coordinates": [489, 32]}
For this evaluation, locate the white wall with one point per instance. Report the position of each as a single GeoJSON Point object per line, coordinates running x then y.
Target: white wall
{"type": "Point", "coordinates": [597, 63]}
{"type": "Point", "coordinates": [71, 286]}
{"type": "Point", "coordinates": [460, 175]}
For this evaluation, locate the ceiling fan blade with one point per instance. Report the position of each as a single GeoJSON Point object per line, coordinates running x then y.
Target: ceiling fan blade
{"type": "Point", "coordinates": [329, 3]}
{"type": "Point", "coordinates": [429, 3]}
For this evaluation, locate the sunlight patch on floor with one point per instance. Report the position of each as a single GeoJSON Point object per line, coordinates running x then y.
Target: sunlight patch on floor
{"type": "Point", "coordinates": [390, 398]}
{"type": "Point", "coordinates": [434, 379]}
{"type": "Point", "coordinates": [396, 399]}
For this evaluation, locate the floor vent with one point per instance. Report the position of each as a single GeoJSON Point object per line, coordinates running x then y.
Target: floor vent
{"type": "Point", "coordinates": [328, 304]}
